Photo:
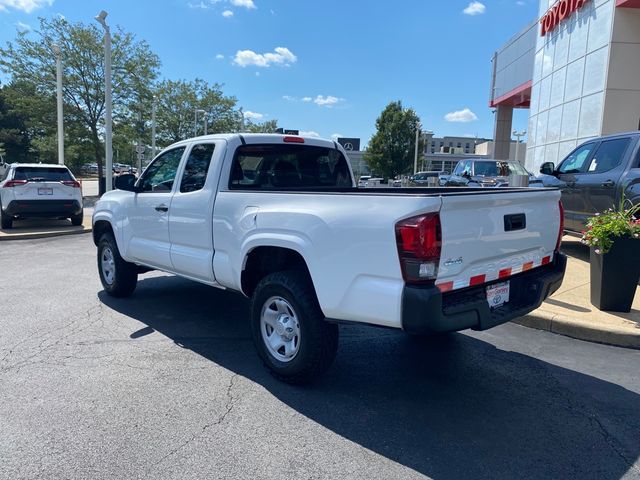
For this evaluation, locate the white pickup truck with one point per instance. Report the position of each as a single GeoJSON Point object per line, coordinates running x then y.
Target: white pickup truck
{"type": "Point", "coordinates": [279, 219]}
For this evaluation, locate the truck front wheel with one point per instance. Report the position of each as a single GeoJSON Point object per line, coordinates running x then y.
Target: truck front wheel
{"type": "Point", "coordinates": [119, 278]}
{"type": "Point", "coordinates": [289, 330]}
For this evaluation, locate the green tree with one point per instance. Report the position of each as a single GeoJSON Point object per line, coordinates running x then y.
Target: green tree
{"type": "Point", "coordinates": [268, 126]}
{"type": "Point", "coordinates": [13, 127]}
{"type": "Point", "coordinates": [177, 102]}
{"type": "Point", "coordinates": [391, 149]}
{"type": "Point", "coordinates": [31, 59]}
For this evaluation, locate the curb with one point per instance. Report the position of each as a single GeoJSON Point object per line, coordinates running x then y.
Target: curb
{"type": "Point", "coordinates": [37, 235]}
{"type": "Point", "coordinates": [569, 327]}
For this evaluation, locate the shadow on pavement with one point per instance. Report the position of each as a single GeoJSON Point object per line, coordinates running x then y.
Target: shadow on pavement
{"type": "Point", "coordinates": [451, 408]}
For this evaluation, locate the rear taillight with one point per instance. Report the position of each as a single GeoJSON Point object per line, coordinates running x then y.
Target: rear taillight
{"type": "Point", "coordinates": [419, 241]}
{"type": "Point", "coordinates": [561, 230]}
{"type": "Point", "coordinates": [71, 183]}
{"type": "Point", "coordinates": [14, 183]}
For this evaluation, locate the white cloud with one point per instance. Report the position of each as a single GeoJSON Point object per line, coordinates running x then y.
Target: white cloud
{"type": "Point", "coordinates": [201, 5]}
{"type": "Point", "coordinates": [227, 14]}
{"type": "Point", "coordinates": [309, 133]}
{"type": "Point", "coordinates": [280, 56]}
{"type": "Point", "coordinates": [243, 3]}
{"type": "Point", "coordinates": [253, 115]}
{"type": "Point", "coordinates": [328, 101]}
{"type": "Point", "coordinates": [289, 98]}
{"type": "Point", "coordinates": [474, 8]}
{"type": "Point", "coordinates": [521, 3]}
{"type": "Point", "coordinates": [306, 99]}
{"type": "Point", "coordinates": [336, 136]}
{"type": "Point", "coordinates": [26, 6]}
{"type": "Point", "coordinates": [219, 56]}
{"type": "Point", "coordinates": [461, 116]}
{"type": "Point", "coordinates": [23, 27]}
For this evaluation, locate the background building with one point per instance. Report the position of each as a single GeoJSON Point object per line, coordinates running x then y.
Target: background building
{"type": "Point", "coordinates": [444, 144]}
{"type": "Point", "coordinates": [577, 69]}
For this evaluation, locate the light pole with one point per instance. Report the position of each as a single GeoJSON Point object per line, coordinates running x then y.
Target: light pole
{"type": "Point", "coordinates": [415, 157]}
{"type": "Point", "coordinates": [56, 50]}
{"type": "Point", "coordinates": [518, 135]}
{"type": "Point", "coordinates": [195, 120]}
{"type": "Point", "coordinates": [107, 101]}
{"type": "Point", "coordinates": [205, 119]}
{"type": "Point", "coordinates": [153, 127]}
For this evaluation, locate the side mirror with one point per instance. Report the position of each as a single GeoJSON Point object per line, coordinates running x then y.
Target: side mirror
{"type": "Point", "coordinates": [126, 181]}
{"type": "Point", "coordinates": [547, 168]}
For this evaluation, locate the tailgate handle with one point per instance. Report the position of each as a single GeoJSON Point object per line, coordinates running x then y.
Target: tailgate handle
{"type": "Point", "coordinates": [517, 221]}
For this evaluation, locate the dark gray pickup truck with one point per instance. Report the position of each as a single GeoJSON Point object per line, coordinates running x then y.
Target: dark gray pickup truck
{"type": "Point", "coordinates": [596, 176]}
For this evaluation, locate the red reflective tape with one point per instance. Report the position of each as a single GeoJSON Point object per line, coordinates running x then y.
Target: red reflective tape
{"type": "Point", "coordinates": [546, 260]}
{"type": "Point", "coordinates": [445, 287]}
{"type": "Point", "coordinates": [527, 266]}
{"type": "Point", "coordinates": [477, 280]}
{"type": "Point", "coordinates": [505, 272]}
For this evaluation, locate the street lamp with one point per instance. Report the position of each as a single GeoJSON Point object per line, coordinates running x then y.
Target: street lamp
{"type": "Point", "coordinates": [56, 51]}
{"type": "Point", "coordinates": [153, 127]}
{"type": "Point", "coordinates": [518, 135]}
{"type": "Point", "coordinates": [195, 121]}
{"type": "Point", "coordinates": [415, 157]}
{"type": "Point", "coordinates": [107, 100]}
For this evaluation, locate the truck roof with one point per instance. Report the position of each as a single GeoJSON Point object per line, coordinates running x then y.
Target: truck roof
{"type": "Point", "coordinates": [253, 138]}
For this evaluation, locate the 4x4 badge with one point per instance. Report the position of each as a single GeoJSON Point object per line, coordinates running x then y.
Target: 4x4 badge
{"type": "Point", "coordinates": [451, 261]}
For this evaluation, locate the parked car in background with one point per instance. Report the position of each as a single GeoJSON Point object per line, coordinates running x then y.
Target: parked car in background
{"type": "Point", "coordinates": [596, 176]}
{"type": "Point", "coordinates": [484, 173]}
{"type": "Point", "coordinates": [424, 179]}
{"type": "Point", "coordinates": [362, 181]}
{"type": "Point", "coordinates": [35, 190]}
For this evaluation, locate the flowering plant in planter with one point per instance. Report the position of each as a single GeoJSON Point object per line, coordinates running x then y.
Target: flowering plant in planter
{"type": "Point", "coordinates": [603, 229]}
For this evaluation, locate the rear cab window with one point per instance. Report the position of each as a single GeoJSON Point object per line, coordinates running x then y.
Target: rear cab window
{"type": "Point", "coordinates": [288, 167]}
{"type": "Point", "coordinates": [42, 174]}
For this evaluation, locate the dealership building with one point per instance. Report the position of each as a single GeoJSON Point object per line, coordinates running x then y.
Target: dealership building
{"type": "Point", "coordinates": [577, 69]}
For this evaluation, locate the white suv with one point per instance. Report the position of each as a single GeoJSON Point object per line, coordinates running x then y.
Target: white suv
{"type": "Point", "coordinates": [35, 190]}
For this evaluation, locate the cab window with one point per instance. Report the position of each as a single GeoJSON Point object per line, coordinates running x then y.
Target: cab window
{"type": "Point", "coordinates": [160, 175]}
{"type": "Point", "coordinates": [575, 163]}
{"type": "Point", "coordinates": [608, 155]}
{"type": "Point", "coordinates": [196, 168]}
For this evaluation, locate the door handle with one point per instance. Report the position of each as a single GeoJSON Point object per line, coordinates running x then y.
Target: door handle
{"type": "Point", "coordinates": [162, 208]}
{"type": "Point", "coordinates": [609, 183]}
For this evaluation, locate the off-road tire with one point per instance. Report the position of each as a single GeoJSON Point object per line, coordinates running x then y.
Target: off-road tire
{"type": "Point", "coordinates": [318, 338]}
{"type": "Point", "coordinates": [125, 277]}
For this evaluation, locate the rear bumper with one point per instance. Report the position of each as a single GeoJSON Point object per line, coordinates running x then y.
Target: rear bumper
{"type": "Point", "coordinates": [43, 208]}
{"type": "Point", "coordinates": [427, 310]}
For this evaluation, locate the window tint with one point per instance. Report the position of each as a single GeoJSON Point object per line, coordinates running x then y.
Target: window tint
{"type": "Point", "coordinates": [278, 167]}
{"type": "Point", "coordinates": [459, 168]}
{"type": "Point", "coordinates": [196, 168]}
{"type": "Point", "coordinates": [159, 176]}
{"type": "Point", "coordinates": [42, 174]}
{"type": "Point", "coordinates": [575, 162]}
{"type": "Point", "coordinates": [608, 155]}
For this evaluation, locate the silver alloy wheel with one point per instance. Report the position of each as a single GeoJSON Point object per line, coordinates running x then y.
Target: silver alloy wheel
{"type": "Point", "coordinates": [280, 329]}
{"type": "Point", "coordinates": [108, 265]}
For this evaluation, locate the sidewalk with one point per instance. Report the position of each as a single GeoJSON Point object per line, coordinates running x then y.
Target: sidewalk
{"type": "Point", "coordinates": [569, 311]}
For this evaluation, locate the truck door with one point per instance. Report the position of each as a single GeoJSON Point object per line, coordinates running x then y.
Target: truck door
{"type": "Point", "coordinates": [570, 172]}
{"type": "Point", "coordinates": [601, 181]}
{"type": "Point", "coordinates": [191, 215]}
{"type": "Point", "coordinates": [149, 212]}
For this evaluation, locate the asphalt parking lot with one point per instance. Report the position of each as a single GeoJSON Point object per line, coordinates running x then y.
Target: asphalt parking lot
{"type": "Point", "coordinates": [166, 384]}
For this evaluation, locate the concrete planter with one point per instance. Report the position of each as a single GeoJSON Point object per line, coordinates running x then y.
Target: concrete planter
{"type": "Point", "coordinates": [615, 275]}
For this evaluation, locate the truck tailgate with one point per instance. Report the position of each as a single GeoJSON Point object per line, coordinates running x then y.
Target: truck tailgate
{"type": "Point", "coordinates": [488, 237]}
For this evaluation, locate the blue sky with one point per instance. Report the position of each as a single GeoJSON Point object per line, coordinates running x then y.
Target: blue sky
{"type": "Point", "coordinates": [329, 66]}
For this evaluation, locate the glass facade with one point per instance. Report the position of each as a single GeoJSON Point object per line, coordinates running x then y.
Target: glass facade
{"type": "Point", "coordinates": [569, 81]}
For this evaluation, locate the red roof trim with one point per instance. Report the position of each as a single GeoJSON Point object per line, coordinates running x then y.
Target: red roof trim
{"type": "Point", "coordinates": [523, 91]}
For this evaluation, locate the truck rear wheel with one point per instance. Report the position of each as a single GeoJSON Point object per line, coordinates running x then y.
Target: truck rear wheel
{"type": "Point", "coordinates": [119, 278]}
{"type": "Point", "coordinates": [289, 330]}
